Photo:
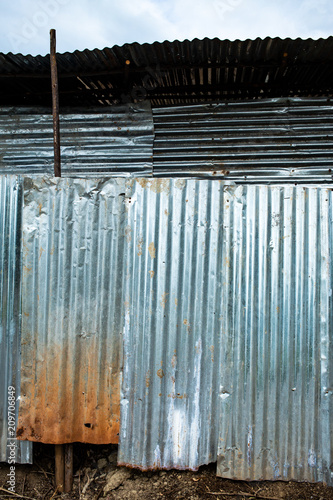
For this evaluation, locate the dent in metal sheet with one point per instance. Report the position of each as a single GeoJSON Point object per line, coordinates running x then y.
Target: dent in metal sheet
{"type": "Point", "coordinates": [10, 328]}
{"type": "Point", "coordinates": [115, 141]}
{"type": "Point", "coordinates": [259, 141]}
{"type": "Point", "coordinates": [73, 239]}
{"type": "Point", "coordinates": [276, 345]}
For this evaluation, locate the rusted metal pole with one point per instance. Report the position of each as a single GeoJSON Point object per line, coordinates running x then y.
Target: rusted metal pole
{"type": "Point", "coordinates": [55, 104]}
{"type": "Point", "coordinates": [59, 467]}
{"type": "Point", "coordinates": [68, 467]}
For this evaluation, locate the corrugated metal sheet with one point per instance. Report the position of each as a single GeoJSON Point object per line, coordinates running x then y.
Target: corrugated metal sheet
{"type": "Point", "coordinates": [10, 305]}
{"type": "Point", "coordinates": [117, 141]}
{"type": "Point", "coordinates": [276, 335]}
{"type": "Point", "coordinates": [227, 329]}
{"type": "Point", "coordinates": [173, 309]}
{"type": "Point", "coordinates": [178, 72]}
{"type": "Point", "coordinates": [73, 240]}
{"type": "Point", "coordinates": [271, 140]}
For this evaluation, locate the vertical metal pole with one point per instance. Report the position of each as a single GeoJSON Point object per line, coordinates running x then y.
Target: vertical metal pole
{"type": "Point", "coordinates": [55, 104]}
{"type": "Point", "coordinates": [68, 467]}
{"type": "Point", "coordinates": [60, 467]}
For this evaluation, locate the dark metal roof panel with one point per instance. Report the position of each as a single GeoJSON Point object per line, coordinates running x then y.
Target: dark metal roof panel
{"type": "Point", "coordinates": [174, 72]}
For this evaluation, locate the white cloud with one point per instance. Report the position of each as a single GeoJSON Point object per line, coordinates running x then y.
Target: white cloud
{"type": "Point", "coordinates": [25, 24]}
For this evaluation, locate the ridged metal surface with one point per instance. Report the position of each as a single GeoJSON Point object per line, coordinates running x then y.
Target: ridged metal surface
{"type": "Point", "coordinates": [10, 305]}
{"type": "Point", "coordinates": [171, 379]}
{"type": "Point", "coordinates": [276, 335]}
{"type": "Point", "coordinates": [177, 72]}
{"type": "Point", "coordinates": [227, 321]}
{"type": "Point", "coordinates": [110, 141]}
{"type": "Point", "coordinates": [270, 140]}
{"type": "Point", "coordinates": [73, 241]}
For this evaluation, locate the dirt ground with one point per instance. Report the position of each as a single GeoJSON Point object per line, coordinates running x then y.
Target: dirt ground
{"type": "Point", "coordinates": [96, 475]}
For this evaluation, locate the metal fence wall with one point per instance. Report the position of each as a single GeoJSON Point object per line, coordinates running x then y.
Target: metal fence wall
{"type": "Point", "coordinates": [105, 141]}
{"type": "Point", "coordinates": [261, 141]}
{"type": "Point", "coordinates": [276, 335]}
{"type": "Point", "coordinates": [73, 241]}
{"type": "Point", "coordinates": [10, 304]}
{"type": "Point", "coordinates": [227, 349]}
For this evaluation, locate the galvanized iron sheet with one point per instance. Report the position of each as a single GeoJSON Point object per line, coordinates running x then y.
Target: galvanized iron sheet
{"type": "Point", "coordinates": [108, 141]}
{"type": "Point", "coordinates": [276, 334]}
{"type": "Point", "coordinates": [271, 140]}
{"type": "Point", "coordinates": [10, 306]}
{"type": "Point", "coordinates": [227, 323]}
{"type": "Point", "coordinates": [73, 241]}
{"type": "Point", "coordinates": [173, 310]}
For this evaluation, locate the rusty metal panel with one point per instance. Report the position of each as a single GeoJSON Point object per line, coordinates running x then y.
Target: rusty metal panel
{"type": "Point", "coordinates": [73, 239]}
{"type": "Point", "coordinates": [276, 334]}
{"type": "Point", "coordinates": [173, 309]}
{"type": "Point", "coordinates": [263, 141]}
{"type": "Point", "coordinates": [115, 141]}
{"type": "Point", "coordinates": [10, 306]}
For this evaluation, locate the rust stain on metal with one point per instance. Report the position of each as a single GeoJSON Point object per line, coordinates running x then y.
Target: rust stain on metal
{"type": "Point", "coordinates": [164, 299]}
{"type": "Point", "coordinates": [148, 379]}
{"type": "Point", "coordinates": [160, 373]}
{"type": "Point", "coordinates": [152, 250]}
{"type": "Point", "coordinates": [151, 273]}
{"type": "Point", "coordinates": [73, 398]}
{"type": "Point", "coordinates": [139, 245]}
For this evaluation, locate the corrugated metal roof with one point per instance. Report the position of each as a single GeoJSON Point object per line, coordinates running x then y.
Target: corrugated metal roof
{"type": "Point", "coordinates": [117, 141]}
{"type": "Point", "coordinates": [73, 240]}
{"type": "Point", "coordinates": [10, 305]}
{"type": "Point", "coordinates": [271, 140]}
{"type": "Point", "coordinates": [175, 72]}
{"type": "Point", "coordinates": [276, 334]}
{"type": "Point", "coordinates": [227, 321]}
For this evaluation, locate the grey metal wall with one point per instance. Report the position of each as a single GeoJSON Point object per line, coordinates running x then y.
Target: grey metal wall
{"type": "Point", "coordinates": [228, 318]}
{"type": "Point", "coordinates": [108, 141]}
{"type": "Point", "coordinates": [268, 140]}
{"type": "Point", "coordinates": [73, 238]}
{"type": "Point", "coordinates": [276, 335]}
{"type": "Point", "coordinates": [10, 304]}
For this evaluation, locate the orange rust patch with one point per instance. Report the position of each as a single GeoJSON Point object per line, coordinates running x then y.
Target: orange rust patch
{"type": "Point", "coordinates": [70, 392]}
{"type": "Point", "coordinates": [160, 373]}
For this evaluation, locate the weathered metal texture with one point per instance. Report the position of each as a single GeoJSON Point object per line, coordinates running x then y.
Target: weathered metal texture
{"type": "Point", "coordinates": [110, 141]}
{"type": "Point", "coordinates": [276, 334]}
{"type": "Point", "coordinates": [73, 239]}
{"type": "Point", "coordinates": [10, 305]}
{"type": "Point", "coordinates": [177, 72]}
{"type": "Point", "coordinates": [227, 332]}
{"type": "Point", "coordinates": [268, 140]}
{"type": "Point", "coordinates": [173, 309]}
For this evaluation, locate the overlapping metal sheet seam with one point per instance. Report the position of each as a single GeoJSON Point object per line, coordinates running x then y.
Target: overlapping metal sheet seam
{"type": "Point", "coordinates": [272, 140]}
{"type": "Point", "coordinates": [10, 304]}
{"type": "Point", "coordinates": [227, 334]}
{"type": "Point", "coordinates": [73, 238]}
{"type": "Point", "coordinates": [276, 343]}
{"type": "Point", "coordinates": [115, 141]}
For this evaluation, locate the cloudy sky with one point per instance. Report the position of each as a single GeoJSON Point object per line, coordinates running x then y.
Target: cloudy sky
{"type": "Point", "coordinates": [80, 24]}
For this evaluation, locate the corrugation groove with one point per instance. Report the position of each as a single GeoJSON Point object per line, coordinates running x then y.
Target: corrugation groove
{"type": "Point", "coordinates": [276, 356]}
{"type": "Point", "coordinates": [72, 312]}
{"type": "Point", "coordinates": [271, 140]}
{"type": "Point", "coordinates": [10, 305]}
{"type": "Point", "coordinates": [117, 141]}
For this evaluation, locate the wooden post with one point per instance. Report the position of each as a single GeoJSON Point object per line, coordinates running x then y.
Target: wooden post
{"type": "Point", "coordinates": [59, 467]}
{"type": "Point", "coordinates": [68, 467]}
{"type": "Point", "coordinates": [55, 104]}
